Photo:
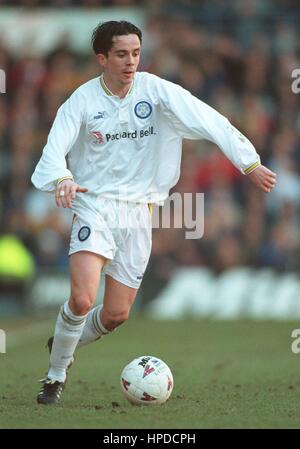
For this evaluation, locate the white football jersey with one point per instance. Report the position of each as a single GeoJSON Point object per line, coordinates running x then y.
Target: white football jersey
{"type": "Point", "coordinates": [130, 149]}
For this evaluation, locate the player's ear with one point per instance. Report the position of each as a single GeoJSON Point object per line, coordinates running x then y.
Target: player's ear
{"type": "Point", "coordinates": [101, 59]}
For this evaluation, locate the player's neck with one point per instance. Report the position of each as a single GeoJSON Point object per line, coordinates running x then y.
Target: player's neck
{"type": "Point", "coordinates": [115, 88]}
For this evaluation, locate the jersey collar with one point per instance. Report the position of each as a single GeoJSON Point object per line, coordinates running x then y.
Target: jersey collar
{"type": "Point", "coordinates": [109, 92]}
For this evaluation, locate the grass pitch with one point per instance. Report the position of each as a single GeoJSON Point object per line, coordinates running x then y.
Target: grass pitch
{"type": "Point", "coordinates": [237, 374]}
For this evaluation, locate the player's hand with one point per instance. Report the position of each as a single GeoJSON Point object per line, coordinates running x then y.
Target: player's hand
{"type": "Point", "coordinates": [263, 178]}
{"type": "Point", "coordinates": [66, 192]}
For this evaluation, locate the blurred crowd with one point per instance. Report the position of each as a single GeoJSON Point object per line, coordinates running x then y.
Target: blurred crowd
{"type": "Point", "coordinates": [238, 56]}
{"type": "Point", "coordinates": [62, 3]}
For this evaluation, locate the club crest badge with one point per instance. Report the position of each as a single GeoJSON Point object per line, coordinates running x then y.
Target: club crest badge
{"type": "Point", "coordinates": [143, 109]}
{"type": "Point", "coordinates": [84, 233]}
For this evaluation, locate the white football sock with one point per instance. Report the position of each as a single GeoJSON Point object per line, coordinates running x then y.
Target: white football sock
{"type": "Point", "coordinates": [67, 333]}
{"type": "Point", "coordinates": [93, 328]}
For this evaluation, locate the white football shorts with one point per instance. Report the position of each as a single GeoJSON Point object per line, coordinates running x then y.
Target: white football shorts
{"type": "Point", "coordinates": [121, 232]}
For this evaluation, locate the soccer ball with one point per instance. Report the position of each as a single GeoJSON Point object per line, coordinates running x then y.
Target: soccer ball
{"type": "Point", "coordinates": [147, 380]}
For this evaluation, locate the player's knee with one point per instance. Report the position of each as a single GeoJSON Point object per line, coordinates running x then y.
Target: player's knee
{"type": "Point", "coordinates": [81, 304]}
{"type": "Point", "coordinates": [115, 319]}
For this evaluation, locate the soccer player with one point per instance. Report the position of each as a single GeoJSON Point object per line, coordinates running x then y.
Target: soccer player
{"type": "Point", "coordinates": [114, 147]}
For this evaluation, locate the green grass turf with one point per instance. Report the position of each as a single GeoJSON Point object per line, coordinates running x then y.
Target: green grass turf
{"type": "Point", "coordinates": [227, 375]}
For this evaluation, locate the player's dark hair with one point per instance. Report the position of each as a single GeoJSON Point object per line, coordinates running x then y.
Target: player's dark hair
{"type": "Point", "coordinates": [102, 37]}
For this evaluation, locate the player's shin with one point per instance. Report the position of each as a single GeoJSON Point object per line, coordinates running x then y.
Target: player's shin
{"type": "Point", "coordinates": [93, 329]}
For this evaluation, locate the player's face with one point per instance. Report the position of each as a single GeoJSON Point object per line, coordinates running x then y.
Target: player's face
{"type": "Point", "coordinates": [122, 61]}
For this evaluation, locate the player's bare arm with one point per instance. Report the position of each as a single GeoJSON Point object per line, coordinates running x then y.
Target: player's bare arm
{"type": "Point", "coordinates": [66, 192]}
{"type": "Point", "coordinates": [263, 178]}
